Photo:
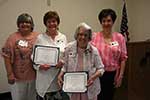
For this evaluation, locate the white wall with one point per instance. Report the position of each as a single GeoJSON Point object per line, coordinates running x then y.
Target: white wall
{"type": "Point", "coordinates": [139, 19]}
{"type": "Point", "coordinates": [10, 9]}
{"type": "Point", "coordinates": [71, 12]}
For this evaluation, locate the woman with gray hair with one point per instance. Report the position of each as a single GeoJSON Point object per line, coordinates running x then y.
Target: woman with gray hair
{"type": "Point", "coordinates": [16, 52]}
{"type": "Point", "coordinates": [80, 55]}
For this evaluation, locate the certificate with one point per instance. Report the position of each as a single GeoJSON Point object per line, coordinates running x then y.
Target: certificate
{"type": "Point", "coordinates": [75, 82]}
{"type": "Point", "coordinates": [46, 55]}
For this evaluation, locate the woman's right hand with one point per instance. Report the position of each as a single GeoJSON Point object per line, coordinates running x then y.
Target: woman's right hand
{"type": "Point", "coordinates": [44, 67]}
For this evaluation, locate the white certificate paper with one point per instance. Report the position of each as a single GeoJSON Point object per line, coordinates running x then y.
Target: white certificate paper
{"type": "Point", "coordinates": [46, 55]}
{"type": "Point", "coordinates": [75, 82]}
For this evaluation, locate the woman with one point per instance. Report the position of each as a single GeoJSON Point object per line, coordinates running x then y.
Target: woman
{"type": "Point", "coordinates": [80, 55]}
{"type": "Point", "coordinates": [46, 80]}
{"type": "Point", "coordinates": [112, 48]}
{"type": "Point", "coordinates": [16, 52]}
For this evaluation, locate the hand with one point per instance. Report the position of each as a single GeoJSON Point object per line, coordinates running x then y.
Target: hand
{"type": "Point", "coordinates": [44, 67]}
{"type": "Point", "coordinates": [11, 79]}
{"type": "Point", "coordinates": [60, 64]}
{"type": "Point", "coordinates": [60, 81]}
{"type": "Point", "coordinates": [118, 82]}
{"type": "Point", "coordinates": [90, 81]}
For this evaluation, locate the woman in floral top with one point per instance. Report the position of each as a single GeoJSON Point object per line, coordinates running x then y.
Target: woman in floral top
{"type": "Point", "coordinates": [16, 52]}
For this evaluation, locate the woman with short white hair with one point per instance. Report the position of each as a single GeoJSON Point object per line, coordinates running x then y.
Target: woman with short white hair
{"type": "Point", "coordinates": [80, 55]}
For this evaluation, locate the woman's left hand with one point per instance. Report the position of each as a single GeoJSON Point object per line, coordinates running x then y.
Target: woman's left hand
{"type": "Point", "coordinates": [118, 82]}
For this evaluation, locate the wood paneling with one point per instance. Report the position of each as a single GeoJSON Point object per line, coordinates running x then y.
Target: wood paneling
{"type": "Point", "coordinates": [136, 84]}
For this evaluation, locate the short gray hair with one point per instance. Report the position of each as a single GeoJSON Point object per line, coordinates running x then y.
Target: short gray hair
{"type": "Point", "coordinates": [88, 30]}
{"type": "Point", "coordinates": [25, 17]}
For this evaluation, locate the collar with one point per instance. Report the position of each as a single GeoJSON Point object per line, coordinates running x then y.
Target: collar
{"type": "Point", "coordinates": [87, 50]}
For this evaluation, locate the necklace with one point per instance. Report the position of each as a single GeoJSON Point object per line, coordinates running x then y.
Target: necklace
{"type": "Point", "coordinates": [107, 37]}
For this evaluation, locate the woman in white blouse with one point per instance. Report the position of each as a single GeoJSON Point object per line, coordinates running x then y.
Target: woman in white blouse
{"type": "Point", "coordinates": [46, 75]}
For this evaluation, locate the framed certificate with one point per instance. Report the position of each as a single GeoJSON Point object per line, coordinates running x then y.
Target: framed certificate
{"type": "Point", "coordinates": [75, 82]}
{"type": "Point", "coordinates": [46, 55]}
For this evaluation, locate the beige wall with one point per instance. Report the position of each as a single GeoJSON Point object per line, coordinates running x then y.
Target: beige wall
{"type": "Point", "coordinates": [139, 19]}
{"type": "Point", "coordinates": [71, 12]}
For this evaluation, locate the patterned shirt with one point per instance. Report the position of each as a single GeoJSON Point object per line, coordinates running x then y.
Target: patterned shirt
{"type": "Point", "coordinates": [90, 61]}
{"type": "Point", "coordinates": [19, 49]}
{"type": "Point", "coordinates": [113, 53]}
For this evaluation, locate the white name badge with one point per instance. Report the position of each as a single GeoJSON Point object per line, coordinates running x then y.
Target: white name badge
{"type": "Point", "coordinates": [115, 43]}
{"type": "Point", "coordinates": [23, 43]}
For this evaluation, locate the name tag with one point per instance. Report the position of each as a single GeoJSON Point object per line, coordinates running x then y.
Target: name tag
{"type": "Point", "coordinates": [23, 43]}
{"type": "Point", "coordinates": [115, 43]}
{"type": "Point", "coordinates": [60, 41]}
{"type": "Point", "coordinates": [71, 54]}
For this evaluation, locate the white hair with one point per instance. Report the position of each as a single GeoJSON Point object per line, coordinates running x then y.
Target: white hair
{"type": "Point", "coordinates": [87, 27]}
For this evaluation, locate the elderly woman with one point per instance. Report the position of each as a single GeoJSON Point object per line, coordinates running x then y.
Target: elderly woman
{"type": "Point", "coordinates": [80, 55]}
{"type": "Point", "coordinates": [16, 52]}
{"type": "Point", "coordinates": [112, 48]}
{"type": "Point", "coordinates": [46, 80]}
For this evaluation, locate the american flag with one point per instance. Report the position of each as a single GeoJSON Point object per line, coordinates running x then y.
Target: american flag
{"type": "Point", "coordinates": [124, 22]}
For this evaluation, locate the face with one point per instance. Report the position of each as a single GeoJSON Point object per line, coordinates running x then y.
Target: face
{"type": "Point", "coordinates": [82, 38]}
{"type": "Point", "coordinates": [52, 24]}
{"type": "Point", "coordinates": [25, 27]}
{"type": "Point", "coordinates": [107, 22]}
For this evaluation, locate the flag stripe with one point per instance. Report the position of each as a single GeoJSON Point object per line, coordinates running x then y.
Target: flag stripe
{"type": "Point", "coordinates": [124, 22]}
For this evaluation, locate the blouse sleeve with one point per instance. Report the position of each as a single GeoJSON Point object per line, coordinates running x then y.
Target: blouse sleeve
{"type": "Point", "coordinates": [123, 56]}
{"type": "Point", "coordinates": [8, 49]}
{"type": "Point", "coordinates": [98, 62]}
{"type": "Point", "coordinates": [65, 59]}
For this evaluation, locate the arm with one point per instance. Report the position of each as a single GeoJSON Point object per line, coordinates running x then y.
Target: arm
{"type": "Point", "coordinates": [10, 74]}
{"type": "Point", "coordinates": [93, 77]}
{"type": "Point", "coordinates": [119, 77]}
{"type": "Point", "coordinates": [8, 55]}
{"type": "Point", "coordinates": [60, 79]}
{"type": "Point", "coordinates": [99, 68]}
{"type": "Point", "coordinates": [122, 69]}
{"type": "Point", "coordinates": [123, 58]}
{"type": "Point", "coordinates": [98, 63]}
